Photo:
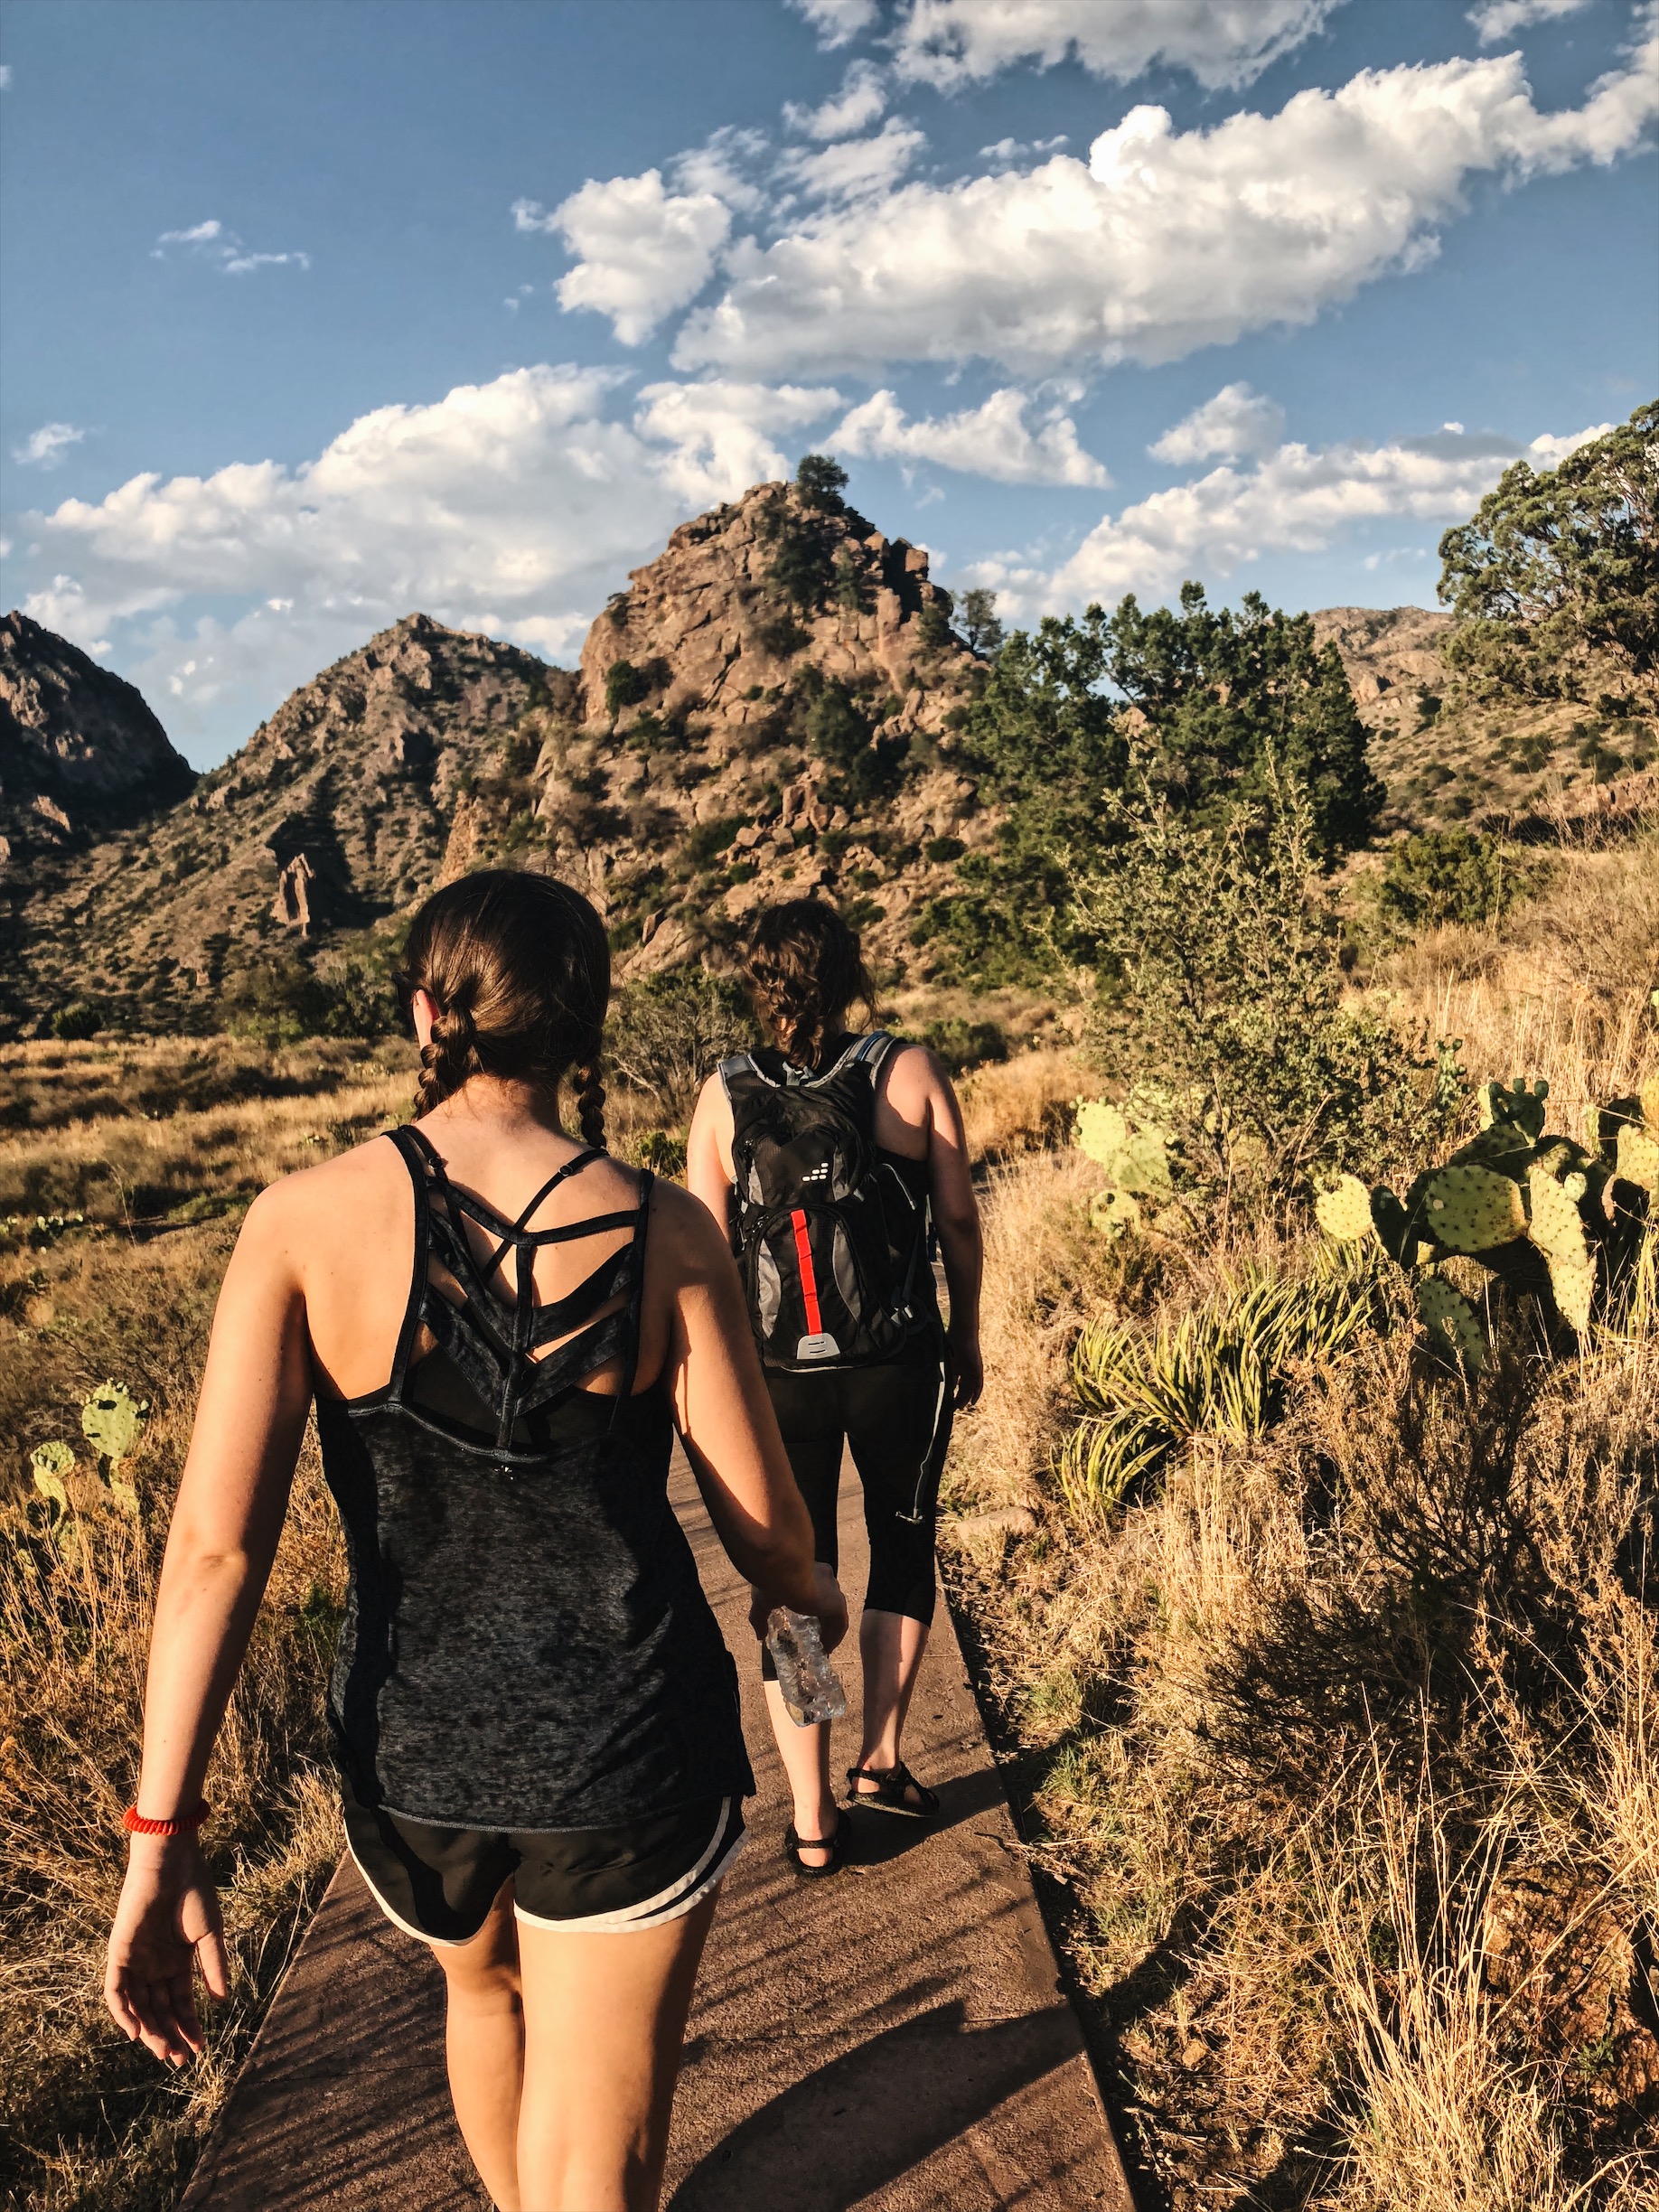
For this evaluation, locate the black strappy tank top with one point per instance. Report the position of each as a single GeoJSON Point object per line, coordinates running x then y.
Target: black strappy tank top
{"type": "Point", "coordinates": [526, 1644]}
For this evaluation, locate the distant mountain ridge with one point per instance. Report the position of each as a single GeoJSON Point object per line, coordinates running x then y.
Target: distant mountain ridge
{"type": "Point", "coordinates": [774, 707]}
{"type": "Point", "coordinates": [79, 749]}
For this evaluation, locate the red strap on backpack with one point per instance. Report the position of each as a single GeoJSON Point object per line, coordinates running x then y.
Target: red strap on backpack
{"type": "Point", "coordinates": [809, 1281]}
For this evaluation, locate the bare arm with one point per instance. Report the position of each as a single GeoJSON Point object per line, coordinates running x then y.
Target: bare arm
{"type": "Point", "coordinates": [956, 1215]}
{"type": "Point", "coordinates": [708, 1150]}
{"type": "Point", "coordinates": [731, 1434]}
{"type": "Point", "coordinates": [226, 1522]}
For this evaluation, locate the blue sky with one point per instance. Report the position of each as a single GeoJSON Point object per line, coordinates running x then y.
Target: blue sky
{"type": "Point", "coordinates": [317, 311]}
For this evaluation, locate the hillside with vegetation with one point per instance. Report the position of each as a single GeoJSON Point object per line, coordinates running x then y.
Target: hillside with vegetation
{"type": "Point", "coordinates": [1304, 1542]}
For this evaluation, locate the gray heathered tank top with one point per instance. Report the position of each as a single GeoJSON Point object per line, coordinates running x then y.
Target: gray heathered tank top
{"type": "Point", "coordinates": [526, 1644]}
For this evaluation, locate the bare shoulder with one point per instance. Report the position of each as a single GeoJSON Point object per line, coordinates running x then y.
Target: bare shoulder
{"type": "Point", "coordinates": [712, 1099]}
{"type": "Point", "coordinates": [334, 1195]}
{"type": "Point", "coordinates": [683, 1229]}
{"type": "Point", "coordinates": [911, 1075]}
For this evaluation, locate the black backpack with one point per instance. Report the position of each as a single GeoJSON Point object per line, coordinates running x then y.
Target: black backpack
{"type": "Point", "coordinates": [830, 1238]}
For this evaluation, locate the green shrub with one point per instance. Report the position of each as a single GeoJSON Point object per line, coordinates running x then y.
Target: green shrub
{"type": "Point", "coordinates": [1449, 875]}
{"type": "Point", "coordinates": [934, 622]}
{"type": "Point", "coordinates": [941, 850]}
{"type": "Point", "coordinates": [780, 636]}
{"type": "Point", "coordinates": [1219, 983]}
{"type": "Point", "coordinates": [962, 1044]}
{"type": "Point", "coordinates": [624, 686]}
{"type": "Point", "coordinates": [76, 1022]}
{"type": "Point", "coordinates": [667, 1032]}
{"type": "Point", "coordinates": [705, 840]}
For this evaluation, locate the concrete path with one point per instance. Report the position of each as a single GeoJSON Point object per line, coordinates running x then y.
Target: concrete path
{"type": "Point", "coordinates": [892, 2041]}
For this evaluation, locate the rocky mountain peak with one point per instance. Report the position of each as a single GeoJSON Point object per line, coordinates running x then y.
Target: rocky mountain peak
{"type": "Point", "coordinates": [745, 597]}
{"type": "Point", "coordinates": [80, 750]}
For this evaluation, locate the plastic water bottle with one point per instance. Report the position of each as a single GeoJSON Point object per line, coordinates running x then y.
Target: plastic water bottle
{"type": "Point", "coordinates": [811, 1692]}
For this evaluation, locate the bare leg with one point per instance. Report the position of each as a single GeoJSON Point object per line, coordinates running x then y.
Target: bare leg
{"type": "Point", "coordinates": [805, 1754]}
{"type": "Point", "coordinates": [605, 2016]}
{"type": "Point", "coordinates": [483, 2037]}
{"type": "Point", "coordinates": [890, 1647]}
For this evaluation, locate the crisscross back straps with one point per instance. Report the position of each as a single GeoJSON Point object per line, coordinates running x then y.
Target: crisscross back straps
{"type": "Point", "coordinates": [493, 1343]}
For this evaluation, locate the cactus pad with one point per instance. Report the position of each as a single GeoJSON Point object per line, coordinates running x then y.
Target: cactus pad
{"type": "Point", "coordinates": [1111, 1212]}
{"type": "Point", "coordinates": [1572, 1284]}
{"type": "Point", "coordinates": [1555, 1226]}
{"type": "Point", "coordinates": [1638, 1154]}
{"type": "Point", "coordinates": [1343, 1210]}
{"type": "Point", "coordinates": [1650, 1103]}
{"type": "Point", "coordinates": [1519, 1104]}
{"type": "Point", "coordinates": [1503, 1146]}
{"type": "Point", "coordinates": [49, 1464]}
{"type": "Point", "coordinates": [111, 1420]}
{"type": "Point", "coordinates": [1450, 1321]}
{"type": "Point", "coordinates": [1470, 1209]}
{"type": "Point", "coordinates": [1393, 1224]}
{"type": "Point", "coordinates": [1102, 1130]}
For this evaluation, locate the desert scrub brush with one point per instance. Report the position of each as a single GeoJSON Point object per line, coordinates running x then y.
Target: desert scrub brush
{"type": "Point", "coordinates": [1219, 1371]}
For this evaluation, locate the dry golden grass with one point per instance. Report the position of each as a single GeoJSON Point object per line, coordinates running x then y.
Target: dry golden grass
{"type": "Point", "coordinates": [1344, 1745]}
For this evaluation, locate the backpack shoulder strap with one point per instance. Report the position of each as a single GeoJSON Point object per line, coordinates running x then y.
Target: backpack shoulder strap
{"type": "Point", "coordinates": [739, 1064]}
{"type": "Point", "coordinates": [872, 1052]}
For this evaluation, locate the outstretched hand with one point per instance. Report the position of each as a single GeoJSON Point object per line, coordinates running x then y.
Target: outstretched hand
{"type": "Point", "coordinates": [166, 1924]}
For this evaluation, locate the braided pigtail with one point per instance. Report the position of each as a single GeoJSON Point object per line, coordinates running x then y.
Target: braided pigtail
{"type": "Point", "coordinates": [448, 1059]}
{"type": "Point", "coordinates": [589, 1087]}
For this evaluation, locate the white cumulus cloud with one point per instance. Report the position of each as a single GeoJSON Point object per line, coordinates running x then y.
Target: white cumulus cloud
{"type": "Point", "coordinates": [860, 102]}
{"type": "Point", "coordinates": [1498, 19]}
{"type": "Point", "coordinates": [835, 22]}
{"type": "Point", "coordinates": [721, 434]}
{"type": "Point", "coordinates": [856, 169]}
{"type": "Point", "coordinates": [1164, 240]}
{"type": "Point", "coordinates": [513, 507]}
{"type": "Point", "coordinates": [994, 440]}
{"type": "Point", "coordinates": [643, 251]}
{"type": "Point", "coordinates": [212, 241]}
{"type": "Point", "coordinates": [45, 447]}
{"type": "Point", "coordinates": [953, 43]}
{"type": "Point", "coordinates": [1295, 500]}
{"type": "Point", "coordinates": [1236, 421]}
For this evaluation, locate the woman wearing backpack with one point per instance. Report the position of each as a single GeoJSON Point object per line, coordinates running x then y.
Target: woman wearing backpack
{"type": "Point", "coordinates": [536, 1720]}
{"type": "Point", "coordinates": [831, 1156]}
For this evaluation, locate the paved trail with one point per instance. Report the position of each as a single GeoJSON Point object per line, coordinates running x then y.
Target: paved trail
{"type": "Point", "coordinates": [892, 2041]}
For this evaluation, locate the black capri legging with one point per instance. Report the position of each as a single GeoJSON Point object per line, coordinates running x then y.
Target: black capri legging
{"type": "Point", "coordinates": [896, 1417]}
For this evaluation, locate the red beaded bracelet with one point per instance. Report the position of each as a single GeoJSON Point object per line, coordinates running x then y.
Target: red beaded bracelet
{"type": "Point", "coordinates": [134, 1822]}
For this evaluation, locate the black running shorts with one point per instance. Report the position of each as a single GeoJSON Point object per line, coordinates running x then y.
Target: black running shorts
{"type": "Point", "coordinates": [439, 1883]}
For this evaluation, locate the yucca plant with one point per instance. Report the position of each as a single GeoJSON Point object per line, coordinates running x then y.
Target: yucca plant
{"type": "Point", "coordinates": [1218, 1371]}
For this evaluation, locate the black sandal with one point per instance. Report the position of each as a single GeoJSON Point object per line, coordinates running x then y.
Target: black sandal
{"type": "Point", "coordinates": [889, 1796]}
{"type": "Point", "coordinates": [835, 1845]}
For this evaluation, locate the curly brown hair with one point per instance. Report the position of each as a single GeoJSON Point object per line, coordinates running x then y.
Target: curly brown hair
{"type": "Point", "coordinates": [519, 970]}
{"type": "Point", "coordinates": [804, 968]}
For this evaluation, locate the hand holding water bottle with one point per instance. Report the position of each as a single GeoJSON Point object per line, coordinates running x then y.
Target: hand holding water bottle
{"type": "Point", "coordinates": [812, 1691]}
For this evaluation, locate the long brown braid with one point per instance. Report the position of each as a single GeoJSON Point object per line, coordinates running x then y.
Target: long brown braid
{"type": "Point", "coordinates": [805, 969]}
{"type": "Point", "coordinates": [519, 972]}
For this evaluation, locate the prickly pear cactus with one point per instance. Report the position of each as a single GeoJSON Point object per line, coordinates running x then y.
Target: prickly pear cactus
{"type": "Point", "coordinates": [1134, 1155]}
{"type": "Point", "coordinates": [112, 1420]}
{"type": "Point", "coordinates": [1472, 1209]}
{"type": "Point", "coordinates": [49, 1464]}
{"type": "Point", "coordinates": [1566, 1222]}
{"type": "Point", "coordinates": [1518, 1105]}
{"type": "Point", "coordinates": [1452, 1323]}
{"type": "Point", "coordinates": [1343, 1210]}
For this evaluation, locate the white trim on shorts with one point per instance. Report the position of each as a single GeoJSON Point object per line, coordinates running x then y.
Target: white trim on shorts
{"type": "Point", "coordinates": [670, 1904]}
{"type": "Point", "coordinates": [679, 1899]}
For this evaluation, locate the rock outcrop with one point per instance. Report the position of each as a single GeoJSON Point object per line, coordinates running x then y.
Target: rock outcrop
{"type": "Point", "coordinates": [80, 753]}
{"type": "Point", "coordinates": [714, 638]}
{"type": "Point", "coordinates": [336, 813]}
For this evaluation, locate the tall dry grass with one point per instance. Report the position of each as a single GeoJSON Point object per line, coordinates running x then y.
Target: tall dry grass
{"type": "Point", "coordinates": [1344, 1743]}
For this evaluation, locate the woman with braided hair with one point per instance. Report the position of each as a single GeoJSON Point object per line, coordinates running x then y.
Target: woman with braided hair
{"type": "Point", "coordinates": [542, 1770]}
